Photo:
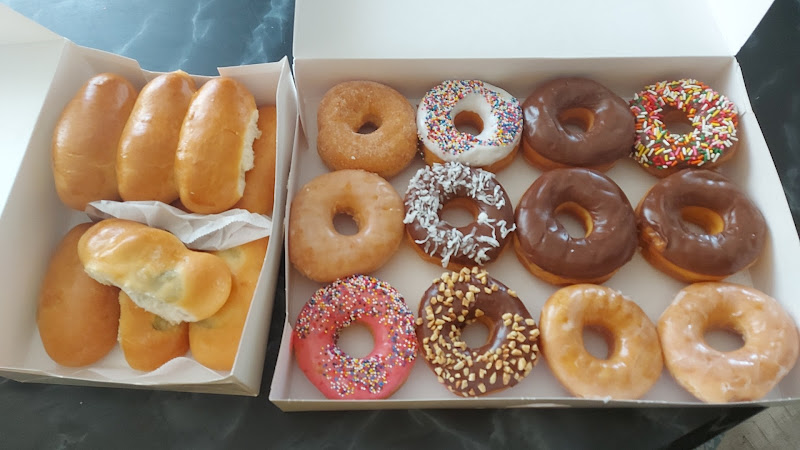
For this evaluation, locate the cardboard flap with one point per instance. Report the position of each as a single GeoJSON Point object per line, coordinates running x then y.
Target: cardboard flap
{"type": "Point", "coordinates": [518, 28]}
{"type": "Point", "coordinates": [16, 29]}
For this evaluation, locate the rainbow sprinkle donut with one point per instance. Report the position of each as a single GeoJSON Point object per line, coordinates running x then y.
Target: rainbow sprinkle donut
{"type": "Point", "coordinates": [378, 306]}
{"type": "Point", "coordinates": [712, 115]}
{"type": "Point", "coordinates": [493, 112]}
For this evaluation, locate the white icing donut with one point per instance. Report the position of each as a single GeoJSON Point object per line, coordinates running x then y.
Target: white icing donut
{"type": "Point", "coordinates": [500, 113]}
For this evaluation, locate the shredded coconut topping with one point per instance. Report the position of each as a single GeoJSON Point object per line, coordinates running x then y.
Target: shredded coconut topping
{"type": "Point", "coordinates": [429, 190]}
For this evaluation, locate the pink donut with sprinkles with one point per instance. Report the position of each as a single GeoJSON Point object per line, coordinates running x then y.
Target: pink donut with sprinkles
{"type": "Point", "coordinates": [380, 308]}
{"type": "Point", "coordinates": [493, 116]}
{"type": "Point", "coordinates": [712, 116]}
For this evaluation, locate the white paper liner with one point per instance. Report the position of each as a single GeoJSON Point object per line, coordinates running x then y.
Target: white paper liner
{"type": "Point", "coordinates": [197, 231]}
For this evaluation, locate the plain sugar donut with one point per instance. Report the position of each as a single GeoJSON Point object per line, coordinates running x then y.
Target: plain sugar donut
{"type": "Point", "coordinates": [321, 253]}
{"type": "Point", "coordinates": [748, 373]}
{"type": "Point", "coordinates": [346, 108]}
{"type": "Point", "coordinates": [634, 361]}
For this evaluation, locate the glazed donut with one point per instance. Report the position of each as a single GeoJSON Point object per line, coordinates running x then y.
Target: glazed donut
{"type": "Point", "coordinates": [318, 251]}
{"type": "Point", "coordinates": [605, 118]}
{"type": "Point", "coordinates": [712, 116]}
{"type": "Point", "coordinates": [489, 109]}
{"type": "Point", "coordinates": [748, 373]}
{"type": "Point", "coordinates": [349, 106]}
{"type": "Point", "coordinates": [374, 304]}
{"type": "Point", "coordinates": [545, 247]}
{"type": "Point", "coordinates": [633, 364]}
{"type": "Point", "coordinates": [440, 186]}
{"type": "Point", "coordinates": [458, 299]}
{"type": "Point", "coordinates": [735, 229]}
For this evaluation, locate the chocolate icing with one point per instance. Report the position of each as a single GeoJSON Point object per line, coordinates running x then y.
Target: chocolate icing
{"type": "Point", "coordinates": [608, 139]}
{"type": "Point", "coordinates": [726, 253]}
{"type": "Point", "coordinates": [545, 242]}
{"type": "Point", "coordinates": [458, 299]}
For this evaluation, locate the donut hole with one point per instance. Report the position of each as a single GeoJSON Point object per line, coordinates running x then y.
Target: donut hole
{"type": "Point", "coordinates": [369, 125]}
{"type": "Point", "coordinates": [345, 224]}
{"type": "Point", "coordinates": [576, 120]}
{"type": "Point", "coordinates": [468, 122]}
{"type": "Point", "coordinates": [701, 220]}
{"type": "Point", "coordinates": [723, 339]}
{"type": "Point", "coordinates": [356, 340]}
{"type": "Point", "coordinates": [458, 212]}
{"type": "Point", "coordinates": [597, 341]}
{"type": "Point", "coordinates": [475, 334]}
{"type": "Point", "coordinates": [676, 120]}
{"type": "Point", "coordinates": [575, 219]}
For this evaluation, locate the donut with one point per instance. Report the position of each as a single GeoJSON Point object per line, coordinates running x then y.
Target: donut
{"type": "Point", "coordinates": [545, 247]}
{"type": "Point", "coordinates": [634, 362]}
{"type": "Point", "coordinates": [349, 106]}
{"type": "Point", "coordinates": [748, 373]}
{"type": "Point", "coordinates": [712, 116]}
{"type": "Point", "coordinates": [458, 299]}
{"type": "Point", "coordinates": [379, 307]}
{"type": "Point", "coordinates": [735, 229]}
{"type": "Point", "coordinates": [493, 112]}
{"type": "Point", "coordinates": [604, 118]}
{"type": "Point", "coordinates": [321, 253]}
{"type": "Point", "coordinates": [440, 186]}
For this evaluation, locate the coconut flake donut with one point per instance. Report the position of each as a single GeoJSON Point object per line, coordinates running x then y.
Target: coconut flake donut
{"type": "Point", "coordinates": [489, 109]}
{"type": "Point", "coordinates": [712, 116]}
{"type": "Point", "coordinates": [748, 373]}
{"type": "Point", "coordinates": [320, 252]}
{"type": "Point", "coordinates": [349, 106]}
{"type": "Point", "coordinates": [735, 230]}
{"type": "Point", "coordinates": [458, 299]}
{"type": "Point", "coordinates": [605, 120]}
{"type": "Point", "coordinates": [380, 308]}
{"type": "Point", "coordinates": [440, 186]}
{"type": "Point", "coordinates": [633, 364]}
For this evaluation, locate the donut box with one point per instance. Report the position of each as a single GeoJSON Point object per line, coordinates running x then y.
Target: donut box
{"type": "Point", "coordinates": [41, 72]}
{"type": "Point", "coordinates": [537, 46]}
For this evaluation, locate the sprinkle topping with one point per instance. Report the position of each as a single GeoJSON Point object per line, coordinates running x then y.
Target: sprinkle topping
{"type": "Point", "coordinates": [374, 303]}
{"type": "Point", "coordinates": [433, 186]}
{"type": "Point", "coordinates": [712, 115]}
{"type": "Point", "coordinates": [501, 114]}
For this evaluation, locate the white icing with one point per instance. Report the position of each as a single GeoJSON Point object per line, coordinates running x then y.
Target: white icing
{"type": "Point", "coordinates": [424, 202]}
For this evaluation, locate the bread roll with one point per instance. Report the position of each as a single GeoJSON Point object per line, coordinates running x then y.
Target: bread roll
{"type": "Point", "coordinates": [215, 148]}
{"type": "Point", "coordinates": [155, 269]}
{"type": "Point", "coordinates": [86, 137]}
{"type": "Point", "coordinates": [259, 189]}
{"type": "Point", "coordinates": [147, 340]}
{"type": "Point", "coordinates": [146, 156]}
{"type": "Point", "coordinates": [214, 341]}
{"type": "Point", "coordinates": [77, 316]}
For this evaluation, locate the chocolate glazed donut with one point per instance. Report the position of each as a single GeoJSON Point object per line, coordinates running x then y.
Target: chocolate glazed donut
{"type": "Point", "coordinates": [735, 229]}
{"type": "Point", "coordinates": [606, 120]}
{"type": "Point", "coordinates": [545, 247]}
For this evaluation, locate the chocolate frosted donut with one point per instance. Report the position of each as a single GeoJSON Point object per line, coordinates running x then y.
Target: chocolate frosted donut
{"type": "Point", "coordinates": [440, 186]}
{"type": "Point", "coordinates": [735, 229]}
{"type": "Point", "coordinates": [545, 247]}
{"type": "Point", "coordinates": [606, 120]}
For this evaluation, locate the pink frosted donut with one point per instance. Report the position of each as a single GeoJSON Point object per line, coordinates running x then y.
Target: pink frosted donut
{"type": "Point", "coordinates": [374, 304]}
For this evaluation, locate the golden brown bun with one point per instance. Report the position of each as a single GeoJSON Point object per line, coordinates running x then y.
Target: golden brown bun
{"type": "Point", "coordinates": [540, 162]}
{"type": "Point", "coordinates": [155, 269]}
{"type": "Point", "coordinates": [77, 316]}
{"type": "Point", "coordinates": [146, 156]}
{"type": "Point", "coordinates": [86, 137]}
{"type": "Point", "coordinates": [148, 341]}
{"type": "Point", "coordinates": [214, 341]}
{"type": "Point", "coordinates": [259, 190]}
{"type": "Point", "coordinates": [215, 147]}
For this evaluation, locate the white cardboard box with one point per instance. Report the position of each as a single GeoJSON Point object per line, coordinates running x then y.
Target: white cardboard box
{"type": "Point", "coordinates": [623, 44]}
{"type": "Point", "coordinates": [41, 72]}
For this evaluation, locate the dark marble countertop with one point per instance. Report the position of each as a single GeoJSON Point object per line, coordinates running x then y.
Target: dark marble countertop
{"type": "Point", "coordinates": [200, 35]}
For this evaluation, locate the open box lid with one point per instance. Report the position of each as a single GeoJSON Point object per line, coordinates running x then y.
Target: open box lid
{"type": "Point", "coordinates": [522, 28]}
